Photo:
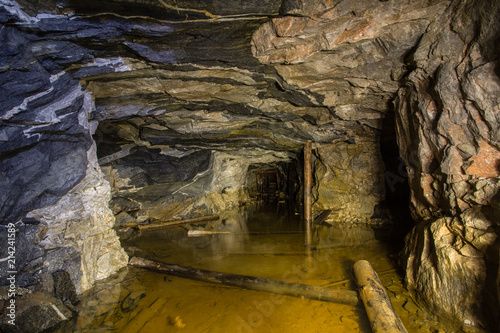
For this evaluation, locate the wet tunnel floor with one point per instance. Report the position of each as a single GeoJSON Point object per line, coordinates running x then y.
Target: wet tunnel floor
{"type": "Point", "coordinates": [267, 242]}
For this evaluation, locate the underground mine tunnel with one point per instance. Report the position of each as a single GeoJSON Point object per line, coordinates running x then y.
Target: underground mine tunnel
{"type": "Point", "coordinates": [274, 147]}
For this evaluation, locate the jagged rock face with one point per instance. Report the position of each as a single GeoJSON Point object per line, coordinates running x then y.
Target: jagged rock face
{"type": "Point", "coordinates": [447, 117]}
{"type": "Point", "coordinates": [77, 235]}
{"type": "Point", "coordinates": [447, 122]}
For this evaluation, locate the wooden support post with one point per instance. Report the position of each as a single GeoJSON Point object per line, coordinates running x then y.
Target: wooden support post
{"type": "Point", "coordinates": [309, 261]}
{"type": "Point", "coordinates": [249, 282]}
{"type": "Point", "coordinates": [307, 182]}
{"type": "Point", "coordinates": [383, 318]}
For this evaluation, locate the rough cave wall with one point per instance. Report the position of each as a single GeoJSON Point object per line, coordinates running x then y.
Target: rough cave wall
{"type": "Point", "coordinates": [52, 187]}
{"type": "Point", "coordinates": [349, 181]}
{"type": "Point", "coordinates": [355, 56]}
{"type": "Point", "coordinates": [447, 123]}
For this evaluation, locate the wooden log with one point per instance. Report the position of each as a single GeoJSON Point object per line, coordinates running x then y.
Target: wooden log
{"type": "Point", "coordinates": [196, 233]}
{"type": "Point", "coordinates": [169, 223]}
{"type": "Point", "coordinates": [249, 282]}
{"type": "Point", "coordinates": [383, 318]}
{"type": "Point", "coordinates": [270, 254]}
{"type": "Point", "coordinates": [128, 225]}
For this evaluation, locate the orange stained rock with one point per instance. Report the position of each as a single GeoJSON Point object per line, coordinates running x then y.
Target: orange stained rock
{"type": "Point", "coordinates": [485, 162]}
{"type": "Point", "coordinates": [356, 32]}
{"type": "Point", "coordinates": [290, 26]}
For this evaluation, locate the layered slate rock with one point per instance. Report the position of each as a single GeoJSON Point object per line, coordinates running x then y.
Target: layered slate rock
{"type": "Point", "coordinates": [44, 142]}
{"type": "Point", "coordinates": [53, 191]}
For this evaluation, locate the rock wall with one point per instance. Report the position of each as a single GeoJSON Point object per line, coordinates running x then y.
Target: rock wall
{"type": "Point", "coordinates": [349, 180]}
{"type": "Point", "coordinates": [447, 124]}
{"type": "Point", "coordinates": [53, 190]}
{"type": "Point", "coordinates": [76, 234]}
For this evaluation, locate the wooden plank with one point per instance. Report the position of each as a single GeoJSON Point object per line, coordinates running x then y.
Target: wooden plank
{"type": "Point", "coordinates": [249, 282]}
{"type": "Point", "coordinates": [308, 182]}
{"type": "Point", "coordinates": [196, 233]}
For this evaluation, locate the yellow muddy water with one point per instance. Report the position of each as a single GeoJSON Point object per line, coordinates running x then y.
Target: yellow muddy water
{"type": "Point", "coordinates": [265, 242]}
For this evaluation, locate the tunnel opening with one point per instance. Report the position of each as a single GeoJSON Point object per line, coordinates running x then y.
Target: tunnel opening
{"type": "Point", "coordinates": [181, 178]}
{"type": "Point", "coordinates": [277, 182]}
{"type": "Point", "coordinates": [396, 204]}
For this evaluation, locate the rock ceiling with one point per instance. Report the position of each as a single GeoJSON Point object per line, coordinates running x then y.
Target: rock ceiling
{"type": "Point", "coordinates": [184, 73]}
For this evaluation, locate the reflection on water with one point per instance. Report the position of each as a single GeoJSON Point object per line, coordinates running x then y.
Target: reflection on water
{"type": "Point", "coordinates": [268, 242]}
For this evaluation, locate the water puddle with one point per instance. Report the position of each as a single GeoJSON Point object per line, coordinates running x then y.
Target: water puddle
{"type": "Point", "coordinates": [265, 241]}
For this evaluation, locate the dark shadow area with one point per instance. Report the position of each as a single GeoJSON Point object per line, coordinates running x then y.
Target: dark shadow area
{"type": "Point", "coordinates": [397, 188]}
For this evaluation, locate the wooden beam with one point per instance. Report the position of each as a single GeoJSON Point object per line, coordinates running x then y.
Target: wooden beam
{"type": "Point", "coordinates": [383, 318]}
{"type": "Point", "coordinates": [249, 282]}
{"type": "Point", "coordinates": [169, 211]}
{"type": "Point", "coordinates": [196, 233]}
